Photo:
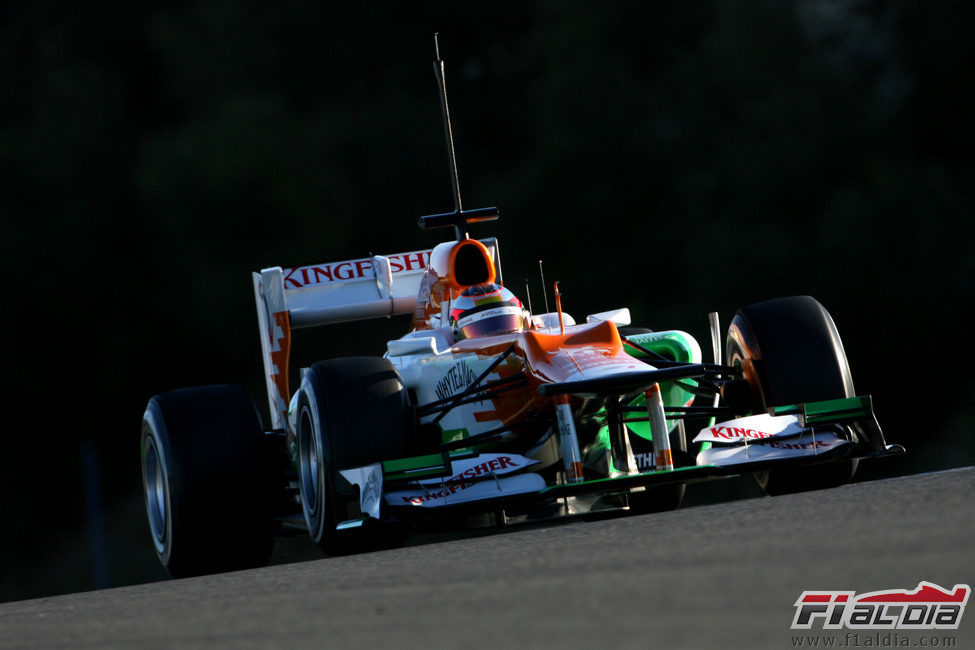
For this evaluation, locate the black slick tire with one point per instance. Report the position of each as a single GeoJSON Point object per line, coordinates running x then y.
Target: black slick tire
{"type": "Point", "coordinates": [352, 412]}
{"type": "Point", "coordinates": [206, 480]}
{"type": "Point", "coordinates": [790, 352]}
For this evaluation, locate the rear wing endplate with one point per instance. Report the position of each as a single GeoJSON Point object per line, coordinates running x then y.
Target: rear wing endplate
{"type": "Point", "coordinates": [322, 294]}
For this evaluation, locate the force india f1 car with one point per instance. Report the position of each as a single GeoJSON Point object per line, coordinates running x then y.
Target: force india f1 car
{"type": "Point", "coordinates": [484, 412]}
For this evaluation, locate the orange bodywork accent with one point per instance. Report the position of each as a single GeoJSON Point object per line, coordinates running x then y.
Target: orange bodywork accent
{"type": "Point", "coordinates": [576, 472]}
{"type": "Point", "coordinates": [451, 279]}
{"type": "Point", "coordinates": [281, 356]}
{"type": "Point", "coordinates": [545, 358]}
{"type": "Point", "coordinates": [509, 406]}
{"type": "Point", "coordinates": [555, 357]}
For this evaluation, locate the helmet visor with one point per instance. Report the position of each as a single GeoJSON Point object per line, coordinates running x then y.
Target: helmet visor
{"type": "Point", "coordinates": [491, 321]}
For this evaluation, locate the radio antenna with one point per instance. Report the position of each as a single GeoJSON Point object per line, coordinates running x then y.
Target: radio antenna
{"type": "Point", "coordinates": [528, 295]}
{"type": "Point", "coordinates": [458, 218]}
{"type": "Point", "coordinates": [558, 308]}
{"type": "Point", "coordinates": [541, 272]}
{"type": "Point", "coordinates": [438, 71]}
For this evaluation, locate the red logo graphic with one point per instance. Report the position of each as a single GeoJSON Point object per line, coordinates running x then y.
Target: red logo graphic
{"type": "Point", "coordinates": [925, 608]}
{"type": "Point", "coordinates": [733, 433]}
{"type": "Point", "coordinates": [303, 276]}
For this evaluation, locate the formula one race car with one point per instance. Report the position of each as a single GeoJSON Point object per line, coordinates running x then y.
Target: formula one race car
{"type": "Point", "coordinates": [485, 413]}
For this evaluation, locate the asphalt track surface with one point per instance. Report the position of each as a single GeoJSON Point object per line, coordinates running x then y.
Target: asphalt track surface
{"type": "Point", "coordinates": [724, 575]}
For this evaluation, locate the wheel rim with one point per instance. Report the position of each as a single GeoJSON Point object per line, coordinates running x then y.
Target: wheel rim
{"type": "Point", "coordinates": [309, 464]}
{"type": "Point", "coordinates": [739, 356]}
{"type": "Point", "coordinates": [154, 479]}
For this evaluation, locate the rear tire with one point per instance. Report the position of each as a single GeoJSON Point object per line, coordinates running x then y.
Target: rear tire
{"type": "Point", "coordinates": [352, 412]}
{"type": "Point", "coordinates": [206, 480]}
{"type": "Point", "coordinates": [790, 352]}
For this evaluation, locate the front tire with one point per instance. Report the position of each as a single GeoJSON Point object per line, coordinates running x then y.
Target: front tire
{"type": "Point", "coordinates": [789, 352]}
{"type": "Point", "coordinates": [206, 480]}
{"type": "Point", "coordinates": [352, 412]}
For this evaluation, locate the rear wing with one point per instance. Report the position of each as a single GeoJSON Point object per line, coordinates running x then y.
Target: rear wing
{"type": "Point", "coordinates": [322, 294]}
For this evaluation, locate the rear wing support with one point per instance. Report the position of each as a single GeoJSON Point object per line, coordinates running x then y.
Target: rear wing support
{"type": "Point", "coordinates": [323, 294]}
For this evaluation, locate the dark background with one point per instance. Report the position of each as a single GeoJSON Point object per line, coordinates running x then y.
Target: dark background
{"type": "Point", "coordinates": [676, 158]}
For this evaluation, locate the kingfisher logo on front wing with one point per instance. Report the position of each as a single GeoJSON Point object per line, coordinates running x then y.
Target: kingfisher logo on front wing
{"type": "Point", "coordinates": [925, 608]}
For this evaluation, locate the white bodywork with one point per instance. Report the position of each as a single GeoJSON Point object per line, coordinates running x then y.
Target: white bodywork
{"type": "Point", "coordinates": [763, 437]}
{"type": "Point", "coordinates": [466, 482]}
{"type": "Point", "coordinates": [462, 492]}
{"type": "Point", "coordinates": [321, 294]}
{"type": "Point", "coordinates": [751, 428]}
{"type": "Point", "coordinates": [809, 444]}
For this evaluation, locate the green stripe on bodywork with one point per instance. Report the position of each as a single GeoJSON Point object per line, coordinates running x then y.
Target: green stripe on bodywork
{"type": "Point", "coordinates": [829, 410]}
{"type": "Point", "coordinates": [672, 345]}
{"type": "Point", "coordinates": [418, 467]}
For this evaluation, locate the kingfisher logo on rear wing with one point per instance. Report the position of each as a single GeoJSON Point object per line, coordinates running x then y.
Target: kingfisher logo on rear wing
{"type": "Point", "coordinates": [318, 274]}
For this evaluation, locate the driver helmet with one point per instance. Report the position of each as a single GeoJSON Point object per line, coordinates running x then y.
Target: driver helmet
{"type": "Point", "coordinates": [485, 310]}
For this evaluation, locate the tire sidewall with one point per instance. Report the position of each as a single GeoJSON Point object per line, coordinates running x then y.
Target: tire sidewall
{"type": "Point", "coordinates": [773, 382]}
{"type": "Point", "coordinates": [739, 354]}
{"type": "Point", "coordinates": [154, 433]}
{"type": "Point", "coordinates": [352, 412]}
{"type": "Point", "coordinates": [215, 491]}
{"type": "Point", "coordinates": [313, 458]}
{"type": "Point", "coordinates": [785, 372]}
